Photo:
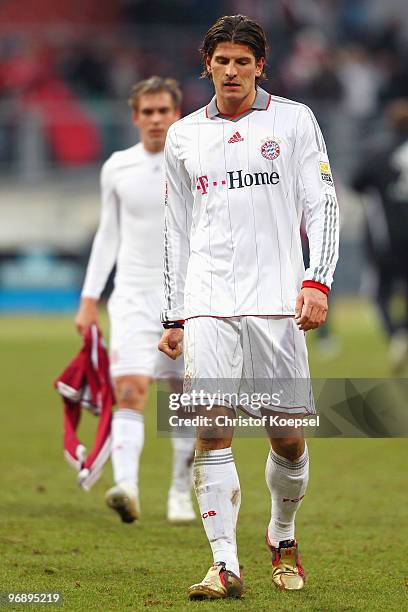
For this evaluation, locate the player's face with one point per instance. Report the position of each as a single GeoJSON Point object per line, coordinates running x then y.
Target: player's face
{"type": "Point", "coordinates": [233, 69]}
{"type": "Point", "coordinates": [154, 115]}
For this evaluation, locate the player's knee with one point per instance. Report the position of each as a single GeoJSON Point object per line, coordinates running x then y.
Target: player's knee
{"type": "Point", "coordinates": [290, 448]}
{"type": "Point", "coordinates": [130, 392]}
{"type": "Point", "coordinates": [212, 438]}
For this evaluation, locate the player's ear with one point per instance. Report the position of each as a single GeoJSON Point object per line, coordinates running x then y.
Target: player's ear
{"type": "Point", "coordinates": [208, 64]}
{"type": "Point", "coordinates": [260, 65]}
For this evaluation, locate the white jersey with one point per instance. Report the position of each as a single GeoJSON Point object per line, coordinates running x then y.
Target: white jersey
{"type": "Point", "coordinates": [130, 231]}
{"type": "Point", "coordinates": [237, 188]}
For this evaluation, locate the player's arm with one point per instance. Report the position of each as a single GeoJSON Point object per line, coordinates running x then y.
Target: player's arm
{"type": "Point", "coordinates": [315, 189]}
{"type": "Point", "coordinates": [87, 314]}
{"type": "Point", "coordinates": [103, 254]}
{"type": "Point", "coordinates": [177, 226]}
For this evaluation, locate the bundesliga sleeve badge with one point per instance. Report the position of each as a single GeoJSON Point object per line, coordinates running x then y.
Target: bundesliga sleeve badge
{"type": "Point", "coordinates": [270, 149]}
{"type": "Point", "coordinates": [325, 173]}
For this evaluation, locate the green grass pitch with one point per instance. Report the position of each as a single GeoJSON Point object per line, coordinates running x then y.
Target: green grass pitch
{"type": "Point", "coordinates": [352, 527]}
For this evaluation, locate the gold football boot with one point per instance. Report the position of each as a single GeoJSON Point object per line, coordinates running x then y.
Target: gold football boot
{"type": "Point", "coordinates": [219, 583]}
{"type": "Point", "coordinates": [287, 571]}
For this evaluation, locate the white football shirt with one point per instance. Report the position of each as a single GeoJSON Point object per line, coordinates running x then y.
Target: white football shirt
{"type": "Point", "coordinates": [237, 188]}
{"type": "Point", "coordinates": [130, 231]}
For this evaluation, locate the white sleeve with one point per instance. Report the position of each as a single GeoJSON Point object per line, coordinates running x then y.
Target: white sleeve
{"type": "Point", "coordinates": [177, 226]}
{"type": "Point", "coordinates": [317, 195]}
{"type": "Point", "coordinates": [106, 242]}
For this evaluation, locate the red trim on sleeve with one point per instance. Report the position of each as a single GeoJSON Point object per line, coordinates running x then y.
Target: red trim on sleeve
{"type": "Point", "coordinates": [315, 285]}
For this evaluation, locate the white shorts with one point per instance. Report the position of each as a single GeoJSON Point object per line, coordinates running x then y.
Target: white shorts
{"type": "Point", "coordinates": [254, 362]}
{"type": "Point", "coordinates": [135, 331]}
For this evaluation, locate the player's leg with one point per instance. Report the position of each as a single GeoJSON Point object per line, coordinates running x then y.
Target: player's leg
{"type": "Point", "coordinates": [179, 502]}
{"type": "Point", "coordinates": [278, 364]}
{"type": "Point", "coordinates": [287, 476]}
{"type": "Point", "coordinates": [384, 292]}
{"type": "Point", "coordinates": [170, 374]}
{"type": "Point", "coordinates": [180, 507]}
{"type": "Point", "coordinates": [132, 363]}
{"type": "Point", "coordinates": [183, 444]}
{"type": "Point", "coordinates": [218, 494]}
{"type": "Point", "coordinates": [398, 349]}
{"type": "Point", "coordinates": [212, 357]}
{"type": "Point", "coordinates": [127, 444]}
{"type": "Point", "coordinates": [128, 428]}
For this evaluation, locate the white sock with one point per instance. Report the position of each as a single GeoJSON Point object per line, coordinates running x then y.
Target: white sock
{"type": "Point", "coordinates": [287, 481]}
{"type": "Point", "coordinates": [183, 457]}
{"type": "Point", "coordinates": [127, 444]}
{"type": "Point", "coordinates": [219, 497]}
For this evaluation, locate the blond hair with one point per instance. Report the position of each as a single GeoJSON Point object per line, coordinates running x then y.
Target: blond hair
{"type": "Point", "coordinates": [152, 85]}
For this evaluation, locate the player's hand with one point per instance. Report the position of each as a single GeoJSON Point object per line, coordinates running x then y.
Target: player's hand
{"type": "Point", "coordinates": [171, 343]}
{"type": "Point", "coordinates": [87, 315]}
{"type": "Point", "coordinates": [311, 308]}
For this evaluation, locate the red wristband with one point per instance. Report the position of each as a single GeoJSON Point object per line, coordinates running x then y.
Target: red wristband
{"type": "Point", "coordinates": [314, 285]}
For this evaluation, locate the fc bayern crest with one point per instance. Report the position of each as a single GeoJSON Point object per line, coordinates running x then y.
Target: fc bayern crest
{"type": "Point", "coordinates": [270, 149]}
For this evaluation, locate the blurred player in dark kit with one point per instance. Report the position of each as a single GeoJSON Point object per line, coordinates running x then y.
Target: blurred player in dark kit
{"type": "Point", "coordinates": [383, 179]}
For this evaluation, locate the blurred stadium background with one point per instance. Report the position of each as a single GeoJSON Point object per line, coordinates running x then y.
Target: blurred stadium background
{"type": "Point", "coordinates": [65, 72]}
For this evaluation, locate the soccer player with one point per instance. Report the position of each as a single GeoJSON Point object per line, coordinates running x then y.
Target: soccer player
{"type": "Point", "coordinates": [240, 172]}
{"type": "Point", "coordinates": [130, 234]}
{"type": "Point", "coordinates": [382, 177]}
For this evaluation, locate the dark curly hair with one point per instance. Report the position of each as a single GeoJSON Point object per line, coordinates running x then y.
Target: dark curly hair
{"type": "Point", "coordinates": [236, 29]}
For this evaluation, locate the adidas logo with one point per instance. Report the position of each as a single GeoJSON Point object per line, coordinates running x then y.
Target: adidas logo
{"type": "Point", "coordinates": [236, 138]}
